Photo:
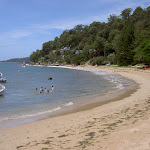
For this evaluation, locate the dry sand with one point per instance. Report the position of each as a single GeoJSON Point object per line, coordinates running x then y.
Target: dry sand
{"type": "Point", "coordinates": [118, 125]}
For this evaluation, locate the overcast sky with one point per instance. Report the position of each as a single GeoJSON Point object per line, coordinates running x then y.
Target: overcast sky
{"type": "Point", "coordinates": [26, 24]}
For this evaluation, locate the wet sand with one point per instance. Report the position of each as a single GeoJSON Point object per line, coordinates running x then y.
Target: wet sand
{"type": "Point", "coordinates": [121, 124]}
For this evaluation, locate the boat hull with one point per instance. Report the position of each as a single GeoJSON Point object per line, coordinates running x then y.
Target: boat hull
{"type": "Point", "coordinates": [1, 93]}
{"type": "Point", "coordinates": [2, 80]}
{"type": "Point", "coordinates": [1, 74]}
{"type": "Point", "coordinates": [2, 88]}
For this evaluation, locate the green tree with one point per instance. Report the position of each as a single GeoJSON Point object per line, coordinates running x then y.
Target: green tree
{"type": "Point", "coordinates": [67, 58]}
{"type": "Point", "coordinates": [35, 56]}
{"type": "Point", "coordinates": [122, 34]}
{"type": "Point", "coordinates": [112, 19]}
{"type": "Point", "coordinates": [99, 46]}
{"type": "Point", "coordinates": [124, 45]}
{"type": "Point", "coordinates": [46, 48]}
{"type": "Point", "coordinates": [112, 34]}
{"type": "Point", "coordinates": [79, 28]}
{"type": "Point", "coordinates": [126, 13]}
{"type": "Point", "coordinates": [85, 52]}
{"type": "Point", "coordinates": [143, 53]}
{"type": "Point", "coordinates": [57, 44]}
{"type": "Point", "coordinates": [76, 59]}
{"type": "Point", "coordinates": [137, 15]}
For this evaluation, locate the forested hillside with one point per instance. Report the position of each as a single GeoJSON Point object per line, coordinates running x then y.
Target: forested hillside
{"type": "Point", "coordinates": [123, 40]}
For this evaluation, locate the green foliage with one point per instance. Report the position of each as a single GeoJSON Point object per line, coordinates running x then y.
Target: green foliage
{"type": "Point", "coordinates": [57, 52]}
{"type": "Point", "coordinates": [143, 53]}
{"type": "Point", "coordinates": [126, 13]}
{"type": "Point", "coordinates": [56, 43]}
{"type": "Point", "coordinates": [83, 63]}
{"type": "Point", "coordinates": [99, 46]}
{"type": "Point", "coordinates": [86, 52]}
{"type": "Point", "coordinates": [97, 61]}
{"type": "Point", "coordinates": [122, 35]}
{"type": "Point", "coordinates": [112, 60]}
{"type": "Point", "coordinates": [68, 58]}
{"type": "Point", "coordinates": [76, 59]}
{"type": "Point", "coordinates": [138, 14]}
{"type": "Point", "coordinates": [124, 43]}
{"type": "Point", "coordinates": [34, 56]}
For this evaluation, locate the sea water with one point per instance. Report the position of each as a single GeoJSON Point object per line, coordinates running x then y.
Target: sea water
{"type": "Point", "coordinates": [21, 103]}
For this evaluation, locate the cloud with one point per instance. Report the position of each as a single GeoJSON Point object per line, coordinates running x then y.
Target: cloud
{"type": "Point", "coordinates": [19, 34]}
{"type": "Point", "coordinates": [11, 38]}
{"type": "Point", "coordinates": [117, 7]}
{"type": "Point", "coordinates": [66, 24]}
{"type": "Point", "coordinates": [59, 25]}
{"type": "Point", "coordinates": [15, 34]}
{"type": "Point", "coordinates": [69, 23]}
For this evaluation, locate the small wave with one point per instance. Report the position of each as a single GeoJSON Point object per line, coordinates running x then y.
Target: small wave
{"type": "Point", "coordinates": [109, 76]}
{"type": "Point", "coordinates": [29, 115]}
{"type": "Point", "coordinates": [36, 114]}
{"type": "Point", "coordinates": [69, 104]}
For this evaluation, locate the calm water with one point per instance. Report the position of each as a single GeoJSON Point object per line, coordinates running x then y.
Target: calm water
{"type": "Point", "coordinates": [20, 99]}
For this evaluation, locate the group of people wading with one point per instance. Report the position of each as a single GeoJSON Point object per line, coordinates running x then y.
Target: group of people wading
{"type": "Point", "coordinates": [45, 90]}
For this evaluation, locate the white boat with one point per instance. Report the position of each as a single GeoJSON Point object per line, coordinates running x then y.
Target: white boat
{"type": "Point", "coordinates": [2, 88]}
{"type": "Point", "coordinates": [2, 80]}
{"type": "Point", "coordinates": [1, 74]}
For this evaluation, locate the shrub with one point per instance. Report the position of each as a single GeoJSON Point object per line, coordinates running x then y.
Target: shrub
{"type": "Point", "coordinates": [112, 60]}
{"type": "Point", "coordinates": [104, 62]}
{"type": "Point", "coordinates": [97, 61]}
{"type": "Point", "coordinates": [82, 63]}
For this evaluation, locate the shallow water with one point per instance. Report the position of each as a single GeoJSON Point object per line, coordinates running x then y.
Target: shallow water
{"type": "Point", "coordinates": [21, 101]}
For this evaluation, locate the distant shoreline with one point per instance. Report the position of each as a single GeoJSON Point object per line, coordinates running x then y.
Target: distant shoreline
{"type": "Point", "coordinates": [18, 60]}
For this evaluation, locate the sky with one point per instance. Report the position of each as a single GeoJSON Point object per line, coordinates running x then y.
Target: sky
{"type": "Point", "coordinates": [26, 24]}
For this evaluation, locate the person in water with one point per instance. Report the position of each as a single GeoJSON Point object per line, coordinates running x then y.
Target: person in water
{"type": "Point", "coordinates": [52, 87]}
{"type": "Point", "coordinates": [41, 89]}
{"type": "Point", "coordinates": [45, 90]}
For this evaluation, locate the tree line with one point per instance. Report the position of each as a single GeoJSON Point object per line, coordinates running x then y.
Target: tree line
{"type": "Point", "coordinates": [123, 40]}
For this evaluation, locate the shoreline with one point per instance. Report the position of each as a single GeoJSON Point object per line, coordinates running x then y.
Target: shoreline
{"type": "Point", "coordinates": [81, 126]}
{"type": "Point", "coordinates": [85, 104]}
{"type": "Point", "coordinates": [81, 104]}
{"type": "Point", "coordinates": [98, 100]}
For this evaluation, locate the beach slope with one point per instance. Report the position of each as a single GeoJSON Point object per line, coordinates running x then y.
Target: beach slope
{"type": "Point", "coordinates": [118, 125]}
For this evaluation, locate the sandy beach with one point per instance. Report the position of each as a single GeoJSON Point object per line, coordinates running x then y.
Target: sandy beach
{"type": "Point", "coordinates": [123, 124]}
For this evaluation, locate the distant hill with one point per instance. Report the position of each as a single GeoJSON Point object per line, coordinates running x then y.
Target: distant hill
{"type": "Point", "coordinates": [21, 60]}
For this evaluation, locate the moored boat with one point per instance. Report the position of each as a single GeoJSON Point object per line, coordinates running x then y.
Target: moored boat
{"type": "Point", "coordinates": [1, 74]}
{"type": "Point", "coordinates": [2, 88]}
{"type": "Point", "coordinates": [2, 80]}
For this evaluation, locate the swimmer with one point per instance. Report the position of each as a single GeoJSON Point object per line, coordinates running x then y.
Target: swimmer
{"type": "Point", "coordinates": [45, 90]}
{"type": "Point", "coordinates": [52, 87]}
{"type": "Point", "coordinates": [41, 89]}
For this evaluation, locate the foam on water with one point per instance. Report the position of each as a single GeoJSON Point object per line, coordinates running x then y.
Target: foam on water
{"type": "Point", "coordinates": [120, 82]}
{"type": "Point", "coordinates": [36, 114]}
{"type": "Point", "coordinates": [29, 115]}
